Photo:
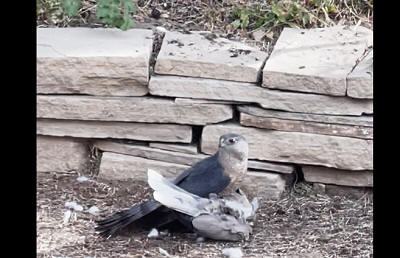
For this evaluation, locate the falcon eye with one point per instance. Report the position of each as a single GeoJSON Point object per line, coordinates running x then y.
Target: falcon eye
{"type": "Point", "coordinates": [232, 140]}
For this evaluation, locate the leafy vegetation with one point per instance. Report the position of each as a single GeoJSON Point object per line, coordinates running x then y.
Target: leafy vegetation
{"type": "Point", "coordinates": [270, 14]}
{"type": "Point", "coordinates": [114, 13]}
{"type": "Point", "coordinates": [241, 17]}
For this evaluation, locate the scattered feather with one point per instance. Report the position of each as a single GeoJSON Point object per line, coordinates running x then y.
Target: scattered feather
{"type": "Point", "coordinates": [153, 233]}
{"type": "Point", "coordinates": [82, 179]}
{"type": "Point", "coordinates": [67, 215]}
{"type": "Point", "coordinates": [163, 252]}
{"type": "Point", "coordinates": [255, 204]}
{"type": "Point", "coordinates": [200, 239]}
{"type": "Point", "coordinates": [94, 210]}
{"type": "Point", "coordinates": [73, 205]}
{"type": "Point", "coordinates": [164, 233]}
{"type": "Point", "coordinates": [234, 252]}
{"type": "Point", "coordinates": [161, 29]}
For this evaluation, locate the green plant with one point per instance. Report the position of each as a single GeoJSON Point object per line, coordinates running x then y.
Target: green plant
{"type": "Point", "coordinates": [116, 13]}
{"type": "Point", "coordinates": [271, 14]}
{"type": "Point", "coordinates": [71, 7]}
{"type": "Point", "coordinates": [276, 13]}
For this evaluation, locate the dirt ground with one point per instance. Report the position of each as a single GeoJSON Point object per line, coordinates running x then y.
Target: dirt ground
{"type": "Point", "coordinates": [300, 224]}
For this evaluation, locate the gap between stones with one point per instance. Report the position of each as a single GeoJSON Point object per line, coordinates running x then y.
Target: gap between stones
{"type": "Point", "coordinates": [366, 52]}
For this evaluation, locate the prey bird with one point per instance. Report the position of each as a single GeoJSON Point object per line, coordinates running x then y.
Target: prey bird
{"type": "Point", "coordinates": [221, 173]}
{"type": "Point", "coordinates": [229, 218]}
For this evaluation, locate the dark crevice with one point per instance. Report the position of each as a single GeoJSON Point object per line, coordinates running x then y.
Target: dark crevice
{"type": "Point", "coordinates": [158, 37]}
{"type": "Point", "coordinates": [235, 115]}
{"type": "Point", "coordinates": [196, 134]}
{"type": "Point", "coordinates": [197, 131]}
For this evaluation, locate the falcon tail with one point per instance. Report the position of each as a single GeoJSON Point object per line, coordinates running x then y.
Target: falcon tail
{"type": "Point", "coordinates": [111, 225]}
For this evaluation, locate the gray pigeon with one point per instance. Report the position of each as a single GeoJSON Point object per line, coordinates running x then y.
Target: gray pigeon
{"type": "Point", "coordinates": [215, 218]}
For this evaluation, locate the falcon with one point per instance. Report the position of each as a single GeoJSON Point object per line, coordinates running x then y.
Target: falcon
{"type": "Point", "coordinates": [220, 173]}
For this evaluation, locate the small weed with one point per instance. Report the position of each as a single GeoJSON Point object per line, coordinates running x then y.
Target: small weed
{"type": "Point", "coordinates": [114, 13]}
{"type": "Point", "coordinates": [271, 14]}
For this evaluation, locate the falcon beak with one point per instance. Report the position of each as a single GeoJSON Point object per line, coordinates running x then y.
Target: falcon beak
{"type": "Point", "coordinates": [221, 144]}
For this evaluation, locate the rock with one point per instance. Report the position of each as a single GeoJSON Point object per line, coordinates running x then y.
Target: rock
{"type": "Point", "coordinates": [340, 190]}
{"type": "Point", "coordinates": [180, 158]}
{"type": "Point", "coordinates": [94, 61]}
{"type": "Point", "coordinates": [337, 176]}
{"type": "Point", "coordinates": [150, 153]}
{"type": "Point", "coordinates": [293, 147]}
{"type": "Point", "coordinates": [116, 166]}
{"type": "Point", "coordinates": [118, 130]}
{"type": "Point", "coordinates": [61, 154]}
{"type": "Point", "coordinates": [343, 120]}
{"type": "Point", "coordinates": [185, 87]}
{"type": "Point", "coordinates": [348, 191]}
{"type": "Point", "coordinates": [360, 80]}
{"type": "Point", "coordinates": [315, 60]}
{"type": "Point", "coordinates": [203, 54]}
{"type": "Point", "coordinates": [270, 166]}
{"type": "Point", "coordinates": [184, 148]}
{"type": "Point", "coordinates": [264, 184]}
{"type": "Point", "coordinates": [130, 109]}
{"type": "Point", "coordinates": [206, 101]}
{"type": "Point", "coordinates": [306, 127]}
{"type": "Point", "coordinates": [319, 188]}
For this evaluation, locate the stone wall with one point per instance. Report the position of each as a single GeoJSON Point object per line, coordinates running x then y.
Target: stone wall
{"type": "Point", "coordinates": [307, 107]}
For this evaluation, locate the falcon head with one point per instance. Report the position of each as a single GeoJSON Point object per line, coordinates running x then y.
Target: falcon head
{"type": "Point", "coordinates": [234, 144]}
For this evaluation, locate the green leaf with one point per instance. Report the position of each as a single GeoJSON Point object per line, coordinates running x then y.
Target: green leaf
{"type": "Point", "coordinates": [245, 21]}
{"type": "Point", "coordinates": [127, 23]}
{"type": "Point", "coordinates": [71, 7]}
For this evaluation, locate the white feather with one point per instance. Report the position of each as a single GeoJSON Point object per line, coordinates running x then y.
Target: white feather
{"type": "Point", "coordinates": [172, 196]}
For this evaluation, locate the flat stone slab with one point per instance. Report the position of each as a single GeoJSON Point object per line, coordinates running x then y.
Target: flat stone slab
{"type": "Point", "coordinates": [201, 54]}
{"type": "Point", "coordinates": [366, 121]}
{"type": "Point", "coordinates": [294, 147]}
{"type": "Point", "coordinates": [305, 126]}
{"type": "Point", "coordinates": [181, 158]}
{"type": "Point", "coordinates": [61, 154]}
{"type": "Point", "coordinates": [184, 148]}
{"type": "Point", "coordinates": [118, 130]}
{"type": "Point", "coordinates": [264, 184]}
{"type": "Point", "coordinates": [200, 88]}
{"type": "Point", "coordinates": [94, 61]}
{"type": "Point", "coordinates": [206, 101]}
{"type": "Point", "coordinates": [116, 166]}
{"type": "Point", "coordinates": [315, 60]}
{"type": "Point", "coordinates": [130, 109]}
{"type": "Point", "coordinates": [360, 80]}
{"type": "Point", "coordinates": [348, 191]}
{"type": "Point", "coordinates": [337, 177]}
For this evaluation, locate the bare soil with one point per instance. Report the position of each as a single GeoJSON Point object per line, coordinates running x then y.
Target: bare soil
{"type": "Point", "coordinates": [300, 224]}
